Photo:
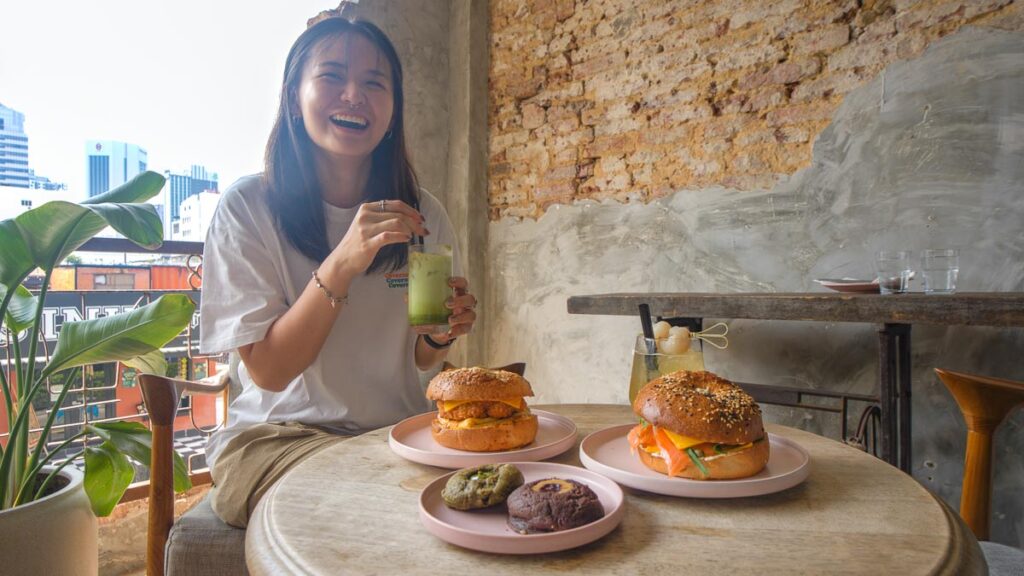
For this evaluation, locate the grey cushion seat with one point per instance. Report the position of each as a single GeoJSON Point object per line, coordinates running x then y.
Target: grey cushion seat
{"type": "Point", "coordinates": [1003, 560]}
{"type": "Point", "coordinates": [201, 544]}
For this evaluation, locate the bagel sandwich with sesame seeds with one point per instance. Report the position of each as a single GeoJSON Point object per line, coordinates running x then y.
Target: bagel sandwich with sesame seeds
{"type": "Point", "coordinates": [697, 425]}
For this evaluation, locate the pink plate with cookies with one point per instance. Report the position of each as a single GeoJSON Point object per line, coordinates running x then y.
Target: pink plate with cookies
{"type": "Point", "coordinates": [488, 530]}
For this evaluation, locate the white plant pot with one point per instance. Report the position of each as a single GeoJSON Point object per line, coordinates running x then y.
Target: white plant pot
{"type": "Point", "coordinates": [54, 535]}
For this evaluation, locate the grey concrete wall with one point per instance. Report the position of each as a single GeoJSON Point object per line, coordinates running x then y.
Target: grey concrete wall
{"type": "Point", "coordinates": [419, 30]}
{"type": "Point", "coordinates": [467, 158]}
{"type": "Point", "coordinates": [930, 154]}
{"type": "Point", "coordinates": [443, 46]}
{"type": "Point", "coordinates": [443, 49]}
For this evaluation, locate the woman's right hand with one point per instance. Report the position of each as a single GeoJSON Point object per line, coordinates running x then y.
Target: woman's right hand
{"type": "Point", "coordinates": [376, 225]}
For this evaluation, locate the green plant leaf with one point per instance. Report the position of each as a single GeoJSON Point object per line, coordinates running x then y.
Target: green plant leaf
{"type": "Point", "coordinates": [149, 363]}
{"type": "Point", "coordinates": [21, 312]}
{"type": "Point", "coordinates": [15, 258]}
{"type": "Point", "coordinates": [44, 236]}
{"type": "Point", "coordinates": [107, 475]}
{"type": "Point", "coordinates": [121, 337]}
{"type": "Point", "coordinates": [134, 439]}
{"type": "Point", "coordinates": [56, 229]}
{"type": "Point", "coordinates": [139, 189]}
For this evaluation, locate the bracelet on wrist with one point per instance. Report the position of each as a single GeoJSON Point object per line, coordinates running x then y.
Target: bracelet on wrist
{"type": "Point", "coordinates": [438, 345]}
{"type": "Point", "coordinates": [334, 300]}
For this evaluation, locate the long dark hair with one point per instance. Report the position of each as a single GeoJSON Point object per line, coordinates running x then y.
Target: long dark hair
{"type": "Point", "coordinates": [293, 189]}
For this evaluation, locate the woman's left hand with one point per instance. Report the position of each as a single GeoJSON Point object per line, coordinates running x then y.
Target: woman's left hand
{"type": "Point", "coordinates": [462, 305]}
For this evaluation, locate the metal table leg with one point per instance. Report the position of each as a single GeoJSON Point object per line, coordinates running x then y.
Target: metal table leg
{"type": "Point", "coordinates": [894, 377]}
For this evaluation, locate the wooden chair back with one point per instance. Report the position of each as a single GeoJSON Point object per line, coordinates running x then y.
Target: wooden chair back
{"type": "Point", "coordinates": [162, 395]}
{"type": "Point", "coordinates": [984, 402]}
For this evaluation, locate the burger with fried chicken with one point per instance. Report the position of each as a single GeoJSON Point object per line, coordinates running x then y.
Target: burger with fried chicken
{"type": "Point", "coordinates": [698, 425]}
{"type": "Point", "coordinates": [481, 410]}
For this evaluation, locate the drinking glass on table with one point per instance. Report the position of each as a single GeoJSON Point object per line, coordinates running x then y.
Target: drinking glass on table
{"type": "Point", "coordinates": [654, 357]}
{"type": "Point", "coordinates": [430, 267]}
{"type": "Point", "coordinates": [939, 270]}
{"type": "Point", "coordinates": [894, 271]}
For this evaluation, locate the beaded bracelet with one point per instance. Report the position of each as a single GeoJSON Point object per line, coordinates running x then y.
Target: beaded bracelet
{"type": "Point", "coordinates": [335, 300]}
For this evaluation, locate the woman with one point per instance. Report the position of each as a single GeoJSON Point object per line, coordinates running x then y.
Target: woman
{"type": "Point", "coordinates": [304, 269]}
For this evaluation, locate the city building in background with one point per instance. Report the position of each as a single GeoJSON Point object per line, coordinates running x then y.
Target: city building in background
{"type": "Point", "coordinates": [194, 217]}
{"type": "Point", "coordinates": [181, 186]}
{"type": "Point", "coordinates": [110, 163]}
{"type": "Point", "coordinates": [13, 149]}
{"type": "Point", "coordinates": [17, 199]}
{"type": "Point", "coordinates": [43, 183]}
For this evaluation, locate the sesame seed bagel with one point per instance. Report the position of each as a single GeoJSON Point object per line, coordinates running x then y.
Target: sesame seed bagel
{"type": "Point", "coordinates": [700, 405]}
{"type": "Point", "coordinates": [477, 384]}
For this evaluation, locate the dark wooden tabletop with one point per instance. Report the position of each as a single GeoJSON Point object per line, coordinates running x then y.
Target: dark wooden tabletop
{"type": "Point", "coordinates": [969, 308]}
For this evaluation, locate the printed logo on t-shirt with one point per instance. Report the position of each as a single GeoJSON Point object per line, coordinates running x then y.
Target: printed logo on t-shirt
{"type": "Point", "coordinates": [397, 279]}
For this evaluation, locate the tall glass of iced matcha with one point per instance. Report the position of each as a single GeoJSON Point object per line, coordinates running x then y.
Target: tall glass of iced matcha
{"type": "Point", "coordinates": [430, 267]}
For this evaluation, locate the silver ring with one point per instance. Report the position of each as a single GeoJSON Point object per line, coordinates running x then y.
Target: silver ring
{"type": "Point", "coordinates": [383, 206]}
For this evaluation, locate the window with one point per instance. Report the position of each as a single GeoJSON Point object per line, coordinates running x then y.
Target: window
{"type": "Point", "coordinates": [26, 203]}
{"type": "Point", "coordinates": [115, 281]}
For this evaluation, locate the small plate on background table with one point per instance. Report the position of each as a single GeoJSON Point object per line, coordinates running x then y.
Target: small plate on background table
{"type": "Point", "coordinates": [849, 285]}
{"type": "Point", "coordinates": [607, 452]}
{"type": "Point", "coordinates": [411, 439]}
{"type": "Point", "coordinates": [487, 529]}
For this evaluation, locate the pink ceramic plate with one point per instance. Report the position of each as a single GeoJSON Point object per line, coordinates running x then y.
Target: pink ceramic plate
{"type": "Point", "coordinates": [607, 452]}
{"type": "Point", "coordinates": [849, 285]}
{"type": "Point", "coordinates": [487, 530]}
{"type": "Point", "coordinates": [411, 440]}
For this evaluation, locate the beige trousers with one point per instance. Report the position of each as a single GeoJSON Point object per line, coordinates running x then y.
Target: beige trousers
{"type": "Point", "coordinates": [257, 458]}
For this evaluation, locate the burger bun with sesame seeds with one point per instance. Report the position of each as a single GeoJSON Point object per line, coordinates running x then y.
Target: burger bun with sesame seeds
{"type": "Point", "coordinates": [699, 405]}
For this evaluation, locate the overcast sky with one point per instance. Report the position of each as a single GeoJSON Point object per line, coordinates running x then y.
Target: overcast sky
{"type": "Point", "coordinates": [191, 81]}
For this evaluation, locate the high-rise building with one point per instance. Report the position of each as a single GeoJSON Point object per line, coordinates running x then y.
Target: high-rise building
{"type": "Point", "coordinates": [43, 183]}
{"type": "Point", "coordinates": [13, 149]}
{"type": "Point", "coordinates": [111, 163]}
{"type": "Point", "coordinates": [17, 199]}
{"type": "Point", "coordinates": [196, 214]}
{"type": "Point", "coordinates": [183, 185]}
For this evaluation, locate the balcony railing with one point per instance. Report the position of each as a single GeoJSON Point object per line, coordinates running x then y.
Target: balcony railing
{"type": "Point", "coordinates": [103, 389]}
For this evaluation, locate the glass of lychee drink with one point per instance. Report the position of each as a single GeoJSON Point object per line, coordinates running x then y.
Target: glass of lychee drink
{"type": "Point", "coordinates": [672, 348]}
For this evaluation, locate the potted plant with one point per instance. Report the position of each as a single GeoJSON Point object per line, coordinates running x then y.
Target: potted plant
{"type": "Point", "coordinates": [47, 509]}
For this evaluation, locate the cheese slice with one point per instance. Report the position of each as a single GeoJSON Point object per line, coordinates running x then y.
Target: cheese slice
{"type": "Point", "coordinates": [681, 442]}
{"type": "Point", "coordinates": [450, 405]}
{"type": "Point", "coordinates": [469, 423]}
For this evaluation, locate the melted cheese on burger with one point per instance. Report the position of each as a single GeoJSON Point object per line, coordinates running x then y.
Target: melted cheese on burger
{"type": "Point", "coordinates": [450, 405]}
{"type": "Point", "coordinates": [469, 423]}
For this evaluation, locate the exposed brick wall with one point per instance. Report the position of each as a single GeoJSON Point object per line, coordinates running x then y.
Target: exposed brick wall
{"type": "Point", "coordinates": [635, 100]}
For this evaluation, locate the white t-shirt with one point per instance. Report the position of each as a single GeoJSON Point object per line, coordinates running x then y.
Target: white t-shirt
{"type": "Point", "coordinates": [365, 376]}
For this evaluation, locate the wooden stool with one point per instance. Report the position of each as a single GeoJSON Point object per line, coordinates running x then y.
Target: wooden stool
{"type": "Point", "coordinates": [984, 402]}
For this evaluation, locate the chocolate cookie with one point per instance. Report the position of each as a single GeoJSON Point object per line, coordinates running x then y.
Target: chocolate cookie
{"type": "Point", "coordinates": [481, 487]}
{"type": "Point", "coordinates": [551, 505]}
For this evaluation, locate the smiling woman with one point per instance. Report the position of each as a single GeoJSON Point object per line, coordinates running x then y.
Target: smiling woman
{"type": "Point", "coordinates": [326, 225]}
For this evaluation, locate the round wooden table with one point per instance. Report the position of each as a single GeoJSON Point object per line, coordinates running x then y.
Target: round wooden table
{"type": "Point", "coordinates": [353, 508]}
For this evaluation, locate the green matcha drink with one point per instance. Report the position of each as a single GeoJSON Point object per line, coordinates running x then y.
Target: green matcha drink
{"type": "Point", "coordinates": [430, 266]}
